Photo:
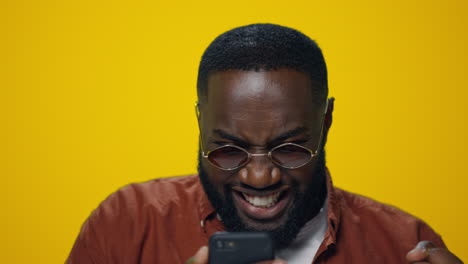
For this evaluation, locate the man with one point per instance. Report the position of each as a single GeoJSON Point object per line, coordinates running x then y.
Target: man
{"type": "Point", "coordinates": [264, 117]}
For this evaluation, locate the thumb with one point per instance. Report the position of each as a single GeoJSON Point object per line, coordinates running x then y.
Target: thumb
{"type": "Point", "coordinates": [420, 252]}
{"type": "Point", "coordinates": [201, 257]}
{"type": "Point", "coordinates": [276, 261]}
{"type": "Point", "coordinates": [427, 251]}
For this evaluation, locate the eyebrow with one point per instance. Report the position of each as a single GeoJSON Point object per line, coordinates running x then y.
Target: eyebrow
{"type": "Point", "coordinates": [277, 140]}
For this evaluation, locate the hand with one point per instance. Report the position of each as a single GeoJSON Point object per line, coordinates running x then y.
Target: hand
{"type": "Point", "coordinates": [201, 257]}
{"type": "Point", "coordinates": [427, 253]}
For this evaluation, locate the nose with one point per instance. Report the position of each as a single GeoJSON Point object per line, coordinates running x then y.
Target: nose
{"type": "Point", "coordinates": [260, 173]}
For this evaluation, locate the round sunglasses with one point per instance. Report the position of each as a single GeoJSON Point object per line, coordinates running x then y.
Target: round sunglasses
{"type": "Point", "coordinates": [286, 155]}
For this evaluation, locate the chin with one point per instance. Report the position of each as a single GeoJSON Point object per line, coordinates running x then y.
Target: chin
{"type": "Point", "coordinates": [259, 225]}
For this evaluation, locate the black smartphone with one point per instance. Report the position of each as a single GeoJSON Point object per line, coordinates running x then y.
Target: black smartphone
{"type": "Point", "coordinates": [240, 247]}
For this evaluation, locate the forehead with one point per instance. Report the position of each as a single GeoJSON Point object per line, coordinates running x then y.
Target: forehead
{"type": "Point", "coordinates": [258, 102]}
{"type": "Point", "coordinates": [239, 83]}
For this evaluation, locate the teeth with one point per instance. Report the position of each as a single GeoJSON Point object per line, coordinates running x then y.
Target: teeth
{"type": "Point", "coordinates": [262, 201]}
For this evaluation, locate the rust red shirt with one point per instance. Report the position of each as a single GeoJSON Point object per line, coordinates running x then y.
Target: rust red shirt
{"type": "Point", "coordinates": [168, 220]}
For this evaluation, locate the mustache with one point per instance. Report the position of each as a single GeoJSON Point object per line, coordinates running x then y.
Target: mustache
{"type": "Point", "coordinates": [267, 188]}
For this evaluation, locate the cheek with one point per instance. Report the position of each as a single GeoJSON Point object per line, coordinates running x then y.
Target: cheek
{"type": "Point", "coordinates": [218, 178]}
{"type": "Point", "coordinates": [302, 176]}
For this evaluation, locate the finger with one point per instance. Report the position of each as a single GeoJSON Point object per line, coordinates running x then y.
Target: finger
{"type": "Point", "coordinates": [201, 257]}
{"type": "Point", "coordinates": [276, 261]}
{"type": "Point", "coordinates": [420, 252]}
{"type": "Point", "coordinates": [426, 251]}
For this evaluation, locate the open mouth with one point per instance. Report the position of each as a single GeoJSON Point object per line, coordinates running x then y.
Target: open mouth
{"type": "Point", "coordinates": [262, 201]}
{"type": "Point", "coordinates": [262, 206]}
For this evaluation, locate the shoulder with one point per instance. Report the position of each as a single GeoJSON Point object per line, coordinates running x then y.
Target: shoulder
{"type": "Point", "coordinates": [157, 194]}
{"type": "Point", "coordinates": [137, 203]}
{"type": "Point", "coordinates": [162, 188]}
{"type": "Point", "coordinates": [378, 217]}
{"type": "Point", "coordinates": [360, 204]}
{"type": "Point", "coordinates": [124, 220]}
{"type": "Point", "coordinates": [138, 207]}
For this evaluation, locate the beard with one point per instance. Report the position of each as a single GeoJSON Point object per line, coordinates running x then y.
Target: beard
{"type": "Point", "coordinates": [305, 205]}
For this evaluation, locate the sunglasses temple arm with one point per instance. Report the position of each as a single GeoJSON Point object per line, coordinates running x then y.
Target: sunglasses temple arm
{"type": "Point", "coordinates": [197, 113]}
{"type": "Point", "coordinates": [320, 142]}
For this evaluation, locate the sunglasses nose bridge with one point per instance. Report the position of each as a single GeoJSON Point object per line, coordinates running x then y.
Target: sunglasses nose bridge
{"type": "Point", "coordinates": [253, 160]}
{"type": "Point", "coordinates": [258, 154]}
{"type": "Point", "coordinates": [254, 155]}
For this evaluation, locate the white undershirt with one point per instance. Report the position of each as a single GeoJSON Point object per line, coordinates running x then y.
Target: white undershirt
{"type": "Point", "coordinates": [304, 247]}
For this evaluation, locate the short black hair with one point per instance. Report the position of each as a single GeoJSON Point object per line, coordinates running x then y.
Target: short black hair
{"type": "Point", "coordinates": [266, 47]}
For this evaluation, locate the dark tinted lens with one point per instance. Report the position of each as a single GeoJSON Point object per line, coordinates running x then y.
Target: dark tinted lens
{"type": "Point", "coordinates": [291, 156]}
{"type": "Point", "coordinates": [228, 157]}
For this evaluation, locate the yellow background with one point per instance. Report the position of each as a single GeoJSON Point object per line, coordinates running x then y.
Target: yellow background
{"type": "Point", "coordinates": [97, 94]}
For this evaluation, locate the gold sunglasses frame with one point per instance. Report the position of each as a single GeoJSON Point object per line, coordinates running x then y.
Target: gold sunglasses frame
{"type": "Point", "coordinates": [250, 155]}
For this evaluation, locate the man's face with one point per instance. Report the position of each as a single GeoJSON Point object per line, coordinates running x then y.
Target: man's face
{"type": "Point", "coordinates": [258, 111]}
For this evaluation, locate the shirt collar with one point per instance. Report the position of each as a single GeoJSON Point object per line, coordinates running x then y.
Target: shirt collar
{"type": "Point", "coordinates": [205, 209]}
{"type": "Point", "coordinates": [334, 211]}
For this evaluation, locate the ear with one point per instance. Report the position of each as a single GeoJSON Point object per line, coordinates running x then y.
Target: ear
{"type": "Point", "coordinates": [197, 110]}
{"type": "Point", "coordinates": [329, 113]}
{"type": "Point", "coordinates": [197, 113]}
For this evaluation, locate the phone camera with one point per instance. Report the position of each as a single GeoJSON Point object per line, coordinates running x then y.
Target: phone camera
{"type": "Point", "coordinates": [219, 244]}
{"type": "Point", "coordinates": [231, 244]}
